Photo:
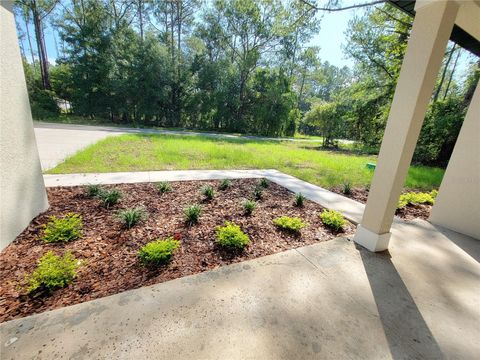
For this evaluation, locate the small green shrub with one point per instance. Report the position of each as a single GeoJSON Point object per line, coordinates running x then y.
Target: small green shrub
{"type": "Point", "coordinates": [110, 197]}
{"type": "Point", "coordinates": [347, 187]}
{"type": "Point", "coordinates": [299, 199]}
{"type": "Point", "coordinates": [164, 187]}
{"type": "Point", "coordinates": [333, 219]}
{"type": "Point", "coordinates": [208, 192]}
{"type": "Point", "coordinates": [230, 236]}
{"type": "Point", "coordinates": [52, 272]}
{"type": "Point", "coordinates": [130, 217]}
{"type": "Point", "coordinates": [411, 198]}
{"type": "Point", "coordinates": [293, 224]}
{"type": "Point", "coordinates": [249, 206]}
{"type": "Point", "coordinates": [158, 252]}
{"type": "Point", "coordinates": [93, 190]}
{"type": "Point", "coordinates": [258, 192]}
{"type": "Point", "coordinates": [263, 183]}
{"type": "Point", "coordinates": [192, 213]}
{"type": "Point", "coordinates": [64, 229]}
{"type": "Point", "coordinates": [225, 184]}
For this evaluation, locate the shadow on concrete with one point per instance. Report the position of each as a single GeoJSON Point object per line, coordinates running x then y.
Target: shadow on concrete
{"type": "Point", "coordinates": [406, 331]}
{"type": "Point", "coordinates": [466, 243]}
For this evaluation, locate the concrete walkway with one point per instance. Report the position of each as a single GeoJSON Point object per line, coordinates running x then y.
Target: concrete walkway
{"type": "Point", "coordinates": [351, 209]}
{"type": "Point", "coordinates": [331, 300]}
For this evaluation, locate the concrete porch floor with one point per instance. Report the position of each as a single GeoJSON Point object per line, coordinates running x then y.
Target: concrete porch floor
{"type": "Point", "coordinates": [331, 300]}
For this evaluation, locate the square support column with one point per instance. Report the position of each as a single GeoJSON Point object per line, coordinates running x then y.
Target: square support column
{"type": "Point", "coordinates": [426, 47]}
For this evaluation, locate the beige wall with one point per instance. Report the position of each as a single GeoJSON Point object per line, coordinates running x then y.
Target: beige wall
{"type": "Point", "coordinates": [458, 202]}
{"type": "Point", "coordinates": [22, 191]}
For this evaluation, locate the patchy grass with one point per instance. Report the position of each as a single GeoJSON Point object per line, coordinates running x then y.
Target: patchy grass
{"type": "Point", "coordinates": [140, 152]}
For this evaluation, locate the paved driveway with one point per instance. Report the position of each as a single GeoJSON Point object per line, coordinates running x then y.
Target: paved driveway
{"type": "Point", "coordinates": [55, 144]}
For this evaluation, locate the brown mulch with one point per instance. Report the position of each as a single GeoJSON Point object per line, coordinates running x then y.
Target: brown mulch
{"type": "Point", "coordinates": [110, 251]}
{"type": "Point", "coordinates": [409, 212]}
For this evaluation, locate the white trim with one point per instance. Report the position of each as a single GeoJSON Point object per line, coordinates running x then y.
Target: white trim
{"type": "Point", "coordinates": [370, 240]}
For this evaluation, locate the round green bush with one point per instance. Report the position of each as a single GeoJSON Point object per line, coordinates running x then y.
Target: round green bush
{"type": "Point", "coordinates": [232, 237]}
{"type": "Point", "coordinates": [333, 219]}
{"type": "Point", "coordinates": [63, 229]}
{"type": "Point", "coordinates": [158, 252]}
{"type": "Point", "coordinates": [293, 224]}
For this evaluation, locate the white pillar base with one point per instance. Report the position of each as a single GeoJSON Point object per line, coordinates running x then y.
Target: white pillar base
{"type": "Point", "coordinates": [371, 241]}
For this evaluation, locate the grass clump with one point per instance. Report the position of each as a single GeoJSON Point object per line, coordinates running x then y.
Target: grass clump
{"type": "Point", "coordinates": [208, 192]}
{"type": "Point", "coordinates": [110, 197]}
{"type": "Point", "coordinates": [164, 187]}
{"type": "Point", "coordinates": [130, 217]}
{"type": "Point", "coordinates": [346, 187]}
{"type": "Point", "coordinates": [225, 184]}
{"type": "Point", "coordinates": [258, 192]}
{"type": "Point", "coordinates": [263, 183]}
{"type": "Point", "coordinates": [333, 219]}
{"type": "Point", "coordinates": [93, 190]}
{"type": "Point", "coordinates": [293, 224]}
{"type": "Point", "coordinates": [158, 252]}
{"type": "Point", "coordinates": [192, 213]}
{"type": "Point", "coordinates": [52, 272]}
{"type": "Point", "coordinates": [299, 199]}
{"type": "Point", "coordinates": [413, 198]}
{"type": "Point", "coordinates": [249, 206]}
{"type": "Point", "coordinates": [64, 229]}
{"type": "Point", "coordinates": [231, 236]}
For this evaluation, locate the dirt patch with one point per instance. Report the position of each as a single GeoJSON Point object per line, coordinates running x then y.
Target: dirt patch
{"type": "Point", "coordinates": [110, 251]}
{"type": "Point", "coordinates": [409, 212]}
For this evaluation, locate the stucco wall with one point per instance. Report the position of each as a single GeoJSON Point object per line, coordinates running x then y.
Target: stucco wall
{"type": "Point", "coordinates": [458, 202]}
{"type": "Point", "coordinates": [22, 191]}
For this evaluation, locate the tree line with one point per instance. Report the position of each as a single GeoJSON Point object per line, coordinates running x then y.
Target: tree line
{"type": "Point", "coordinates": [231, 65]}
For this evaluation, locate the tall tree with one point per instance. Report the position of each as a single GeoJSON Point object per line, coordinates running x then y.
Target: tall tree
{"type": "Point", "coordinates": [39, 10]}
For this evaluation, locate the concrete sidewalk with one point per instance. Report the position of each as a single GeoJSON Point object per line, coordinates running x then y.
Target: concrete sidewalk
{"type": "Point", "coordinates": [331, 300]}
{"type": "Point", "coordinates": [351, 209]}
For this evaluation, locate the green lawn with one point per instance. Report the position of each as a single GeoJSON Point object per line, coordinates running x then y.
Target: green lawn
{"type": "Point", "coordinates": [141, 152]}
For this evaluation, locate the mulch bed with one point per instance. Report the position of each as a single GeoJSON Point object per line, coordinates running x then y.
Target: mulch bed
{"type": "Point", "coordinates": [110, 250]}
{"type": "Point", "coordinates": [409, 212]}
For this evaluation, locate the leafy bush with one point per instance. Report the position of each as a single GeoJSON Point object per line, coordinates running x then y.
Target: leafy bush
{"type": "Point", "coordinates": [411, 198]}
{"type": "Point", "coordinates": [192, 213]}
{"type": "Point", "coordinates": [264, 183]}
{"type": "Point", "coordinates": [43, 104]}
{"type": "Point", "coordinates": [164, 187]}
{"type": "Point", "coordinates": [230, 236]}
{"type": "Point", "coordinates": [249, 206]}
{"type": "Point", "coordinates": [293, 224]}
{"type": "Point", "coordinates": [333, 219]}
{"type": "Point", "coordinates": [299, 199]}
{"type": "Point", "coordinates": [225, 184]}
{"type": "Point", "coordinates": [110, 197]}
{"type": "Point", "coordinates": [65, 229]}
{"type": "Point", "coordinates": [93, 190]}
{"type": "Point", "coordinates": [346, 187]}
{"type": "Point", "coordinates": [158, 252]}
{"type": "Point", "coordinates": [258, 192]}
{"type": "Point", "coordinates": [208, 192]}
{"type": "Point", "coordinates": [130, 217]}
{"type": "Point", "coordinates": [52, 272]}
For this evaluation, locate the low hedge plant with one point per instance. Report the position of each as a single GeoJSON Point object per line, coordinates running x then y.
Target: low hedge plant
{"type": "Point", "coordinates": [158, 252]}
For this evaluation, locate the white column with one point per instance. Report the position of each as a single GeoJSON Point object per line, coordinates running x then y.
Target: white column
{"type": "Point", "coordinates": [22, 191]}
{"type": "Point", "coordinates": [458, 202]}
{"type": "Point", "coordinates": [428, 40]}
